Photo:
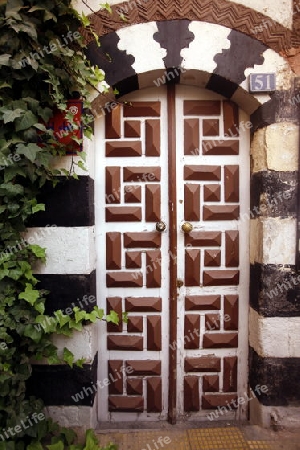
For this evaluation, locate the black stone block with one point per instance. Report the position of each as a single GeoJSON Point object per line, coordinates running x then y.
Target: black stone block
{"type": "Point", "coordinates": [69, 204]}
{"type": "Point", "coordinates": [60, 385]}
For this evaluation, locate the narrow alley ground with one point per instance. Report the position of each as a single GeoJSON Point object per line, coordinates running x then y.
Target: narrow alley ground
{"type": "Point", "coordinates": [225, 436]}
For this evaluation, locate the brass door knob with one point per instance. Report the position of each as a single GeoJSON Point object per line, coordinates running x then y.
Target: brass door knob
{"type": "Point", "coordinates": [161, 226]}
{"type": "Point", "coordinates": [179, 283]}
{"type": "Point", "coordinates": [187, 227]}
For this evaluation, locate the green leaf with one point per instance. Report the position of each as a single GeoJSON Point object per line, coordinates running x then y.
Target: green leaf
{"type": "Point", "coordinates": [84, 19]}
{"type": "Point", "coordinates": [68, 357]}
{"type": "Point", "coordinates": [27, 121]}
{"type": "Point", "coordinates": [73, 325]}
{"type": "Point", "coordinates": [4, 59]}
{"type": "Point", "coordinates": [57, 446]}
{"type": "Point", "coordinates": [40, 126]}
{"type": "Point", "coordinates": [5, 84]}
{"type": "Point", "coordinates": [32, 102]}
{"type": "Point", "coordinates": [69, 435]}
{"type": "Point", "coordinates": [36, 8]}
{"type": "Point", "coordinates": [80, 362]}
{"type": "Point", "coordinates": [53, 359]}
{"type": "Point", "coordinates": [25, 27]}
{"type": "Point", "coordinates": [40, 307]}
{"type": "Point", "coordinates": [96, 37]}
{"type": "Point", "coordinates": [29, 151]}
{"type": "Point", "coordinates": [122, 17]}
{"type": "Point", "coordinates": [88, 133]}
{"type": "Point", "coordinates": [10, 445]}
{"type": "Point", "coordinates": [62, 318]}
{"type": "Point", "coordinates": [12, 7]}
{"type": "Point", "coordinates": [48, 323]}
{"type": "Point", "coordinates": [81, 165]}
{"type": "Point", "coordinates": [11, 172]}
{"type": "Point", "coordinates": [45, 113]}
{"type": "Point", "coordinates": [11, 115]}
{"type": "Point", "coordinates": [38, 251]}
{"type": "Point", "coordinates": [32, 332]}
{"type": "Point", "coordinates": [29, 295]}
{"type": "Point", "coordinates": [82, 155]}
{"type": "Point", "coordinates": [49, 16]}
{"type": "Point", "coordinates": [65, 331]}
{"type": "Point", "coordinates": [112, 317]}
{"type": "Point", "coordinates": [107, 7]}
{"type": "Point", "coordinates": [91, 440]}
{"type": "Point", "coordinates": [79, 315]}
{"type": "Point", "coordinates": [38, 207]}
{"type": "Point", "coordinates": [15, 274]}
{"type": "Point", "coordinates": [35, 446]}
{"type": "Point", "coordinates": [100, 312]}
{"type": "Point", "coordinates": [11, 189]}
{"type": "Point", "coordinates": [92, 317]}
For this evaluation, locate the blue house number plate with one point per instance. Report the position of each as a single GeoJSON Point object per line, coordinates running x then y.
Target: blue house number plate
{"type": "Point", "coordinates": [262, 82]}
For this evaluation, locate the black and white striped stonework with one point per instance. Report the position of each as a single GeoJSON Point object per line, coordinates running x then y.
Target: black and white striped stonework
{"type": "Point", "coordinates": [274, 358]}
{"type": "Point", "coordinates": [70, 276]}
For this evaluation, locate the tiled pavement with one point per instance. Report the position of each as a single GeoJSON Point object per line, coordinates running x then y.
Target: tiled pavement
{"type": "Point", "coordinates": [210, 438]}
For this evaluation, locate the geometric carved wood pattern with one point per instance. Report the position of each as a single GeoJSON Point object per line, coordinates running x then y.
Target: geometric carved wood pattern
{"type": "Point", "coordinates": [133, 258]}
{"type": "Point", "coordinates": [138, 185]}
{"type": "Point", "coordinates": [135, 192]}
{"type": "Point", "coordinates": [211, 193]}
{"type": "Point", "coordinates": [133, 399]}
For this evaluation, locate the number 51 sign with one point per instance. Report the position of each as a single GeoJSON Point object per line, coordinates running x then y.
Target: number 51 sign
{"type": "Point", "coordinates": [262, 82]}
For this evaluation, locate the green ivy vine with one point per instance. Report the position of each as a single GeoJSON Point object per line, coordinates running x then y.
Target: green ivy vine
{"type": "Point", "coordinates": [42, 65]}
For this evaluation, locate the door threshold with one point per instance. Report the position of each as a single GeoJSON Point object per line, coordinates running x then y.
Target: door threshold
{"type": "Point", "coordinates": [182, 425]}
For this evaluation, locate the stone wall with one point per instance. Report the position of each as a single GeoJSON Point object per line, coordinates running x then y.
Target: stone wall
{"type": "Point", "coordinates": [216, 46]}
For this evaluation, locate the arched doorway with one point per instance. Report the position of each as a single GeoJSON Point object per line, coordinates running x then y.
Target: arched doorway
{"type": "Point", "coordinates": [172, 218]}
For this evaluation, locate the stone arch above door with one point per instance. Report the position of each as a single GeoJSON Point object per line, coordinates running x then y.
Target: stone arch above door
{"type": "Point", "coordinates": [201, 54]}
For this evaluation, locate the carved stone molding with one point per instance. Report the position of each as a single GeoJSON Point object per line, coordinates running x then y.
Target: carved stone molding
{"type": "Point", "coordinates": [221, 12]}
{"type": "Point", "coordinates": [296, 25]}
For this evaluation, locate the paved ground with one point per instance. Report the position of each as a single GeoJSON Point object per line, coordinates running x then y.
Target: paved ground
{"type": "Point", "coordinates": [220, 437]}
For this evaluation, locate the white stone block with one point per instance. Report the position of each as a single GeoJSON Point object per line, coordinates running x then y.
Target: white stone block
{"type": "Point", "coordinates": [83, 344]}
{"type": "Point", "coordinates": [273, 241]}
{"type": "Point", "coordinates": [82, 417]}
{"type": "Point", "coordinates": [202, 50]}
{"type": "Point", "coordinates": [258, 151]}
{"type": "Point", "coordinates": [267, 332]}
{"type": "Point", "coordinates": [68, 250]}
{"type": "Point", "coordinates": [282, 143]}
{"type": "Point", "coordinates": [279, 241]}
{"type": "Point", "coordinates": [278, 416]}
{"type": "Point", "coordinates": [136, 46]}
{"type": "Point", "coordinates": [70, 163]}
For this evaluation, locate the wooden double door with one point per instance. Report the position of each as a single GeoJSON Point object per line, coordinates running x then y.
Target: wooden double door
{"type": "Point", "coordinates": [172, 215]}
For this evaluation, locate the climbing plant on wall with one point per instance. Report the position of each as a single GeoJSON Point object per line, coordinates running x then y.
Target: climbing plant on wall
{"type": "Point", "coordinates": [42, 65]}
